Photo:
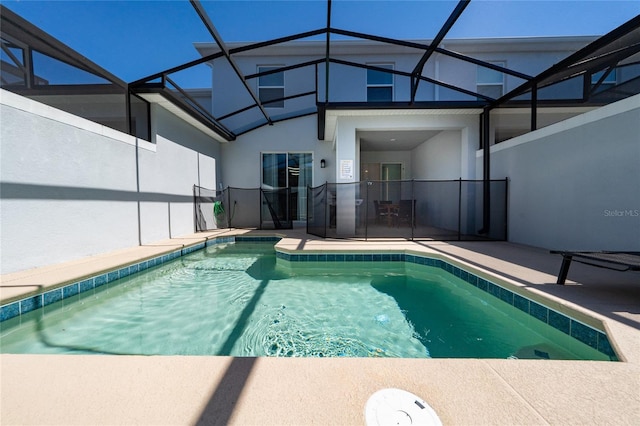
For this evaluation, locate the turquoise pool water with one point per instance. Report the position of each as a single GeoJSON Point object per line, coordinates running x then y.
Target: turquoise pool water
{"type": "Point", "coordinates": [239, 299]}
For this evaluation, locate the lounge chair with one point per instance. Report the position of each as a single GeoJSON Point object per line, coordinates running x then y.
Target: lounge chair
{"type": "Point", "coordinates": [618, 261]}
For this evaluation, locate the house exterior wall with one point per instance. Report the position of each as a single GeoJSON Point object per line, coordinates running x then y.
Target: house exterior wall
{"type": "Point", "coordinates": [350, 84]}
{"type": "Point", "coordinates": [575, 185]}
{"type": "Point", "coordinates": [242, 161]}
{"type": "Point", "coordinates": [438, 158]}
{"type": "Point", "coordinates": [70, 186]}
{"type": "Point", "coordinates": [449, 155]}
{"type": "Point", "coordinates": [530, 56]}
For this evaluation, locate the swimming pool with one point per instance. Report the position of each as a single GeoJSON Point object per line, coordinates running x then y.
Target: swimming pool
{"type": "Point", "coordinates": [243, 299]}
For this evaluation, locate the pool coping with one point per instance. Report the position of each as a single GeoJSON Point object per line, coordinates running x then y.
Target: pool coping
{"type": "Point", "coordinates": [560, 315]}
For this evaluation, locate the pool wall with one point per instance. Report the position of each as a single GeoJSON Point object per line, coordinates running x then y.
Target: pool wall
{"type": "Point", "coordinates": [579, 330]}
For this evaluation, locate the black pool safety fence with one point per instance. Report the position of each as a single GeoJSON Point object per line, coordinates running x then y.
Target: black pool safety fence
{"type": "Point", "coordinates": [412, 209]}
{"type": "Point", "coordinates": [442, 210]}
{"type": "Point", "coordinates": [242, 208]}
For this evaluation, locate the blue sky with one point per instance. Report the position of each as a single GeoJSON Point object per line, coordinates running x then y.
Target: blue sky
{"type": "Point", "coordinates": [136, 38]}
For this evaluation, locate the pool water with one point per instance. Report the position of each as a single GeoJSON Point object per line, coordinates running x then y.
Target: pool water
{"type": "Point", "coordinates": [238, 299]}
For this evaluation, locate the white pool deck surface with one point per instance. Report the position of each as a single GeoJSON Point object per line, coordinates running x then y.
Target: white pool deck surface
{"type": "Point", "coordinates": [210, 390]}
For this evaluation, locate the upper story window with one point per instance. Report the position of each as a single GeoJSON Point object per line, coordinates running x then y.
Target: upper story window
{"type": "Point", "coordinates": [490, 82]}
{"type": "Point", "coordinates": [271, 87]}
{"type": "Point", "coordinates": [380, 84]}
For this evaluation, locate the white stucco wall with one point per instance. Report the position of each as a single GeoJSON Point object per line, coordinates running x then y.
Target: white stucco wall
{"type": "Point", "coordinates": [242, 157]}
{"type": "Point", "coordinates": [575, 185]}
{"type": "Point", "coordinates": [70, 188]}
{"type": "Point", "coordinates": [349, 84]}
{"type": "Point", "coordinates": [439, 157]}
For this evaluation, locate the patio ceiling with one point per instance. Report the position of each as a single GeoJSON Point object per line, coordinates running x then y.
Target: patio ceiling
{"type": "Point", "coordinates": [393, 140]}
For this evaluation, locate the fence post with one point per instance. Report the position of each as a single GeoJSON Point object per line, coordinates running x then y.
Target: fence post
{"type": "Point", "coordinates": [195, 210]}
{"type": "Point", "coordinates": [229, 206]}
{"type": "Point", "coordinates": [413, 209]}
{"type": "Point", "coordinates": [506, 208]}
{"type": "Point", "coordinates": [309, 213]}
{"type": "Point", "coordinates": [486, 172]}
{"type": "Point", "coordinates": [327, 208]}
{"type": "Point", "coordinates": [366, 211]}
{"type": "Point", "coordinates": [260, 204]}
{"type": "Point", "coordinates": [289, 212]}
{"type": "Point", "coordinates": [459, 208]}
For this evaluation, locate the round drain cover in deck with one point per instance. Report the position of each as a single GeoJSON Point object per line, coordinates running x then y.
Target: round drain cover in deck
{"type": "Point", "coordinates": [398, 407]}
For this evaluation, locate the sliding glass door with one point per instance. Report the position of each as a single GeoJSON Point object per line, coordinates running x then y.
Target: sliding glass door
{"type": "Point", "coordinates": [289, 170]}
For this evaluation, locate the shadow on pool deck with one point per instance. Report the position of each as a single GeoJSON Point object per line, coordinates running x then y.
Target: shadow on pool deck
{"type": "Point", "coordinates": [225, 398]}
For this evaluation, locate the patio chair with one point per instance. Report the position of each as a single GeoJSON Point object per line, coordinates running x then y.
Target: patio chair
{"type": "Point", "coordinates": [406, 212]}
{"type": "Point", "coordinates": [382, 213]}
{"type": "Point", "coordinates": [618, 261]}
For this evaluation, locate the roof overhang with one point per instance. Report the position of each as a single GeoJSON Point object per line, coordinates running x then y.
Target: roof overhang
{"type": "Point", "coordinates": [183, 112]}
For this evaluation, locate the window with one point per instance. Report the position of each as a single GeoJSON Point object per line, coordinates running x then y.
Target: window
{"type": "Point", "coordinates": [490, 82]}
{"type": "Point", "coordinates": [380, 84]}
{"type": "Point", "coordinates": [271, 87]}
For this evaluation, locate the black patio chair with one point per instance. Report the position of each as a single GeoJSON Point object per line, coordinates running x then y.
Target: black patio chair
{"type": "Point", "coordinates": [406, 212]}
{"type": "Point", "coordinates": [382, 213]}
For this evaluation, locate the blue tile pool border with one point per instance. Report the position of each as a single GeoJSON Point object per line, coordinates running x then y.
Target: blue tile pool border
{"type": "Point", "coordinates": [30, 303]}
{"type": "Point", "coordinates": [570, 326]}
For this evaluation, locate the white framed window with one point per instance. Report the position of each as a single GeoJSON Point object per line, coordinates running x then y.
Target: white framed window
{"type": "Point", "coordinates": [490, 82]}
{"type": "Point", "coordinates": [271, 87]}
{"type": "Point", "coordinates": [380, 84]}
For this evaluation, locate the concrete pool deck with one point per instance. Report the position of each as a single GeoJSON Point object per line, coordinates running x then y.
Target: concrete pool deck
{"type": "Point", "coordinates": [90, 389]}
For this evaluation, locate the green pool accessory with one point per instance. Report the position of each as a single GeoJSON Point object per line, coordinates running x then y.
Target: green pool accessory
{"type": "Point", "coordinates": [218, 208]}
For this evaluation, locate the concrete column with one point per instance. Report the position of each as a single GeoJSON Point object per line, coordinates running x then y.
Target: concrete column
{"type": "Point", "coordinates": [346, 172]}
{"type": "Point", "coordinates": [469, 139]}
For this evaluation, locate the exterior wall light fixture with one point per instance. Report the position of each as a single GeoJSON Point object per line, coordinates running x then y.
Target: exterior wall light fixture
{"type": "Point", "coordinates": [323, 163]}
